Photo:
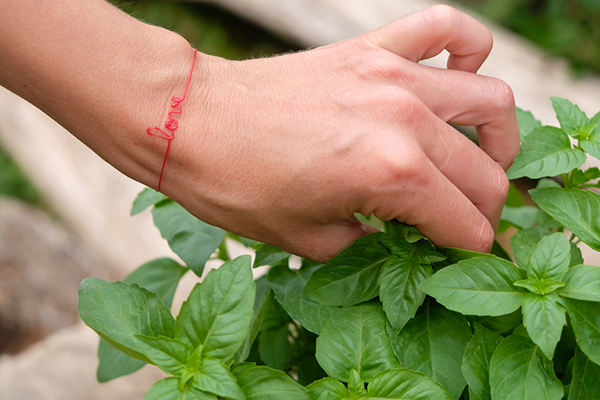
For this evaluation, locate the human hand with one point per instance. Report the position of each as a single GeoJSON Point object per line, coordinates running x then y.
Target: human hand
{"type": "Point", "coordinates": [287, 149]}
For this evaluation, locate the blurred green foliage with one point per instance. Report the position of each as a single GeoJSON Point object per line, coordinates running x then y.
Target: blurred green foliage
{"type": "Point", "coordinates": [13, 182]}
{"type": "Point", "coordinates": [567, 28]}
{"type": "Point", "coordinates": [208, 28]}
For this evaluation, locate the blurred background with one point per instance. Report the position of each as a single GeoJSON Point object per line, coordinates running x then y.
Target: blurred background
{"type": "Point", "coordinates": [64, 213]}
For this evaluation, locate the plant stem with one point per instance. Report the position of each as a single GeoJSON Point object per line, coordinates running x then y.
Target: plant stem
{"type": "Point", "coordinates": [223, 254]}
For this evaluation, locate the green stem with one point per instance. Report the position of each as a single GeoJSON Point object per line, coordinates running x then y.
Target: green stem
{"type": "Point", "coordinates": [223, 253]}
{"type": "Point", "coordinates": [566, 180]}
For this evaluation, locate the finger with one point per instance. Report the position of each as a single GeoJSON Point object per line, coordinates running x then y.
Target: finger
{"type": "Point", "coordinates": [467, 166]}
{"type": "Point", "coordinates": [420, 195]}
{"type": "Point", "coordinates": [475, 100]}
{"type": "Point", "coordinates": [426, 33]}
{"type": "Point", "coordinates": [325, 241]}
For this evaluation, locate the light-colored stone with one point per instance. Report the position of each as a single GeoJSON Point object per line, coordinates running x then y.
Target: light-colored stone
{"type": "Point", "coordinates": [63, 367]}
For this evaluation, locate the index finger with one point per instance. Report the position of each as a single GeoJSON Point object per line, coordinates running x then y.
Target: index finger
{"type": "Point", "coordinates": [427, 33]}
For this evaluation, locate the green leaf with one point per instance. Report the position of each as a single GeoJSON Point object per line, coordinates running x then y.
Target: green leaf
{"type": "Point", "coordinates": [160, 276]}
{"type": "Point", "coordinates": [579, 177]}
{"type": "Point", "coordinates": [569, 115]}
{"type": "Point", "coordinates": [146, 198]}
{"type": "Point", "coordinates": [433, 343]}
{"type": "Point", "coordinates": [549, 258]}
{"type": "Point", "coordinates": [540, 286]}
{"type": "Point", "coordinates": [274, 346]}
{"type": "Point", "coordinates": [355, 338]}
{"type": "Point", "coordinates": [544, 318]}
{"type": "Point", "coordinates": [519, 371]}
{"type": "Point", "coordinates": [502, 324]}
{"type": "Point", "coordinates": [398, 289]}
{"type": "Point", "coordinates": [403, 384]}
{"type": "Point", "coordinates": [592, 144]}
{"type": "Point", "coordinates": [582, 282]}
{"type": "Point", "coordinates": [168, 389]}
{"type": "Point", "coordinates": [213, 377]}
{"type": "Point", "coordinates": [168, 354]}
{"type": "Point", "coordinates": [356, 387]}
{"type": "Point", "coordinates": [585, 383]}
{"type": "Point", "coordinates": [327, 389]}
{"type": "Point", "coordinates": [191, 239]}
{"type": "Point", "coordinates": [288, 284]}
{"type": "Point", "coordinates": [523, 242]}
{"type": "Point", "coordinates": [113, 363]}
{"type": "Point", "coordinates": [264, 383]}
{"type": "Point", "coordinates": [218, 312]}
{"type": "Point", "coordinates": [574, 208]}
{"type": "Point", "coordinates": [352, 276]}
{"type": "Point", "coordinates": [101, 308]}
{"type": "Point", "coordinates": [585, 320]}
{"type": "Point", "coordinates": [476, 362]}
{"type": "Point", "coordinates": [477, 286]}
{"type": "Point", "coordinates": [527, 122]}
{"type": "Point", "coordinates": [262, 302]}
{"type": "Point", "coordinates": [269, 255]}
{"type": "Point", "coordinates": [546, 151]}
{"type": "Point", "coordinates": [520, 217]}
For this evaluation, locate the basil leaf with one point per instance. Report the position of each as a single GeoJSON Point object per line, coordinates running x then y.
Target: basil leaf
{"type": "Point", "coordinates": [213, 377]}
{"type": "Point", "coordinates": [146, 198]}
{"type": "Point", "coordinates": [527, 122]}
{"type": "Point", "coordinates": [546, 151]}
{"type": "Point", "coordinates": [168, 354]}
{"type": "Point", "coordinates": [288, 284]}
{"type": "Point", "coordinates": [433, 343]}
{"type": "Point", "coordinates": [544, 318]}
{"type": "Point", "coordinates": [269, 255]}
{"type": "Point", "coordinates": [574, 208]}
{"type": "Point", "coordinates": [523, 242]}
{"type": "Point", "coordinates": [477, 286]}
{"type": "Point", "coordinates": [519, 371]}
{"type": "Point", "coordinates": [550, 258]}
{"type": "Point", "coordinates": [355, 338]}
{"type": "Point", "coordinates": [592, 145]}
{"type": "Point", "coordinates": [352, 276]}
{"type": "Point", "coordinates": [101, 308]}
{"type": "Point", "coordinates": [520, 217]}
{"type": "Point", "coordinates": [113, 363]}
{"type": "Point", "coordinates": [585, 320]}
{"type": "Point", "coordinates": [403, 384]}
{"type": "Point", "coordinates": [502, 324]}
{"type": "Point", "coordinates": [218, 312]}
{"type": "Point", "coordinates": [191, 239]}
{"type": "Point", "coordinates": [582, 282]}
{"type": "Point", "coordinates": [585, 384]}
{"type": "Point", "coordinates": [262, 302]}
{"type": "Point", "coordinates": [168, 389]}
{"type": "Point", "coordinates": [569, 115]}
{"type": "Point", "coordinates": [476, 362]}
{"type": "Point", "coordinates": [160, 276]}
{"type": "Point", "coordinates": [398, 289]}
{"type": "Point", "coordinates": [264, 383]}
{"type": "Point", "coordinates": [327, 389]}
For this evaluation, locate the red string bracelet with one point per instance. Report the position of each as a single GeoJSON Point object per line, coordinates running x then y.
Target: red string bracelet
{"type": "Point", "coordinates": [171, 124]}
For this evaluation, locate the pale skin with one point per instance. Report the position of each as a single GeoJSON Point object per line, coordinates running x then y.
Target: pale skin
{"type": "Point", "coordinates": [283, 150]}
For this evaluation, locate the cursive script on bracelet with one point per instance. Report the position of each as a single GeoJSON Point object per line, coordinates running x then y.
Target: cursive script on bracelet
{"type": "Point", "coordinates": [171, 124]}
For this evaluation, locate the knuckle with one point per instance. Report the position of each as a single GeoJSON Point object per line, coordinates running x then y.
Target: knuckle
{"type": "Point", "coordinates": [442, 16]}
{"type": "Point", "coordinates": [501, 95]}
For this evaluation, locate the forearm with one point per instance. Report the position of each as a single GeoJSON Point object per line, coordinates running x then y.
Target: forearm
{"type": "Point", "coordinates": [101, 74]}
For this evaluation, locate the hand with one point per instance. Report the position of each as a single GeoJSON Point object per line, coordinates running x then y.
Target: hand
{"type": "Point", "coordinates": [287, 149]}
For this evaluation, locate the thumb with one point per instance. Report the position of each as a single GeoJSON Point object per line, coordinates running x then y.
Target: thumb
{"type": "Point", "coordinates": [427, 33]}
